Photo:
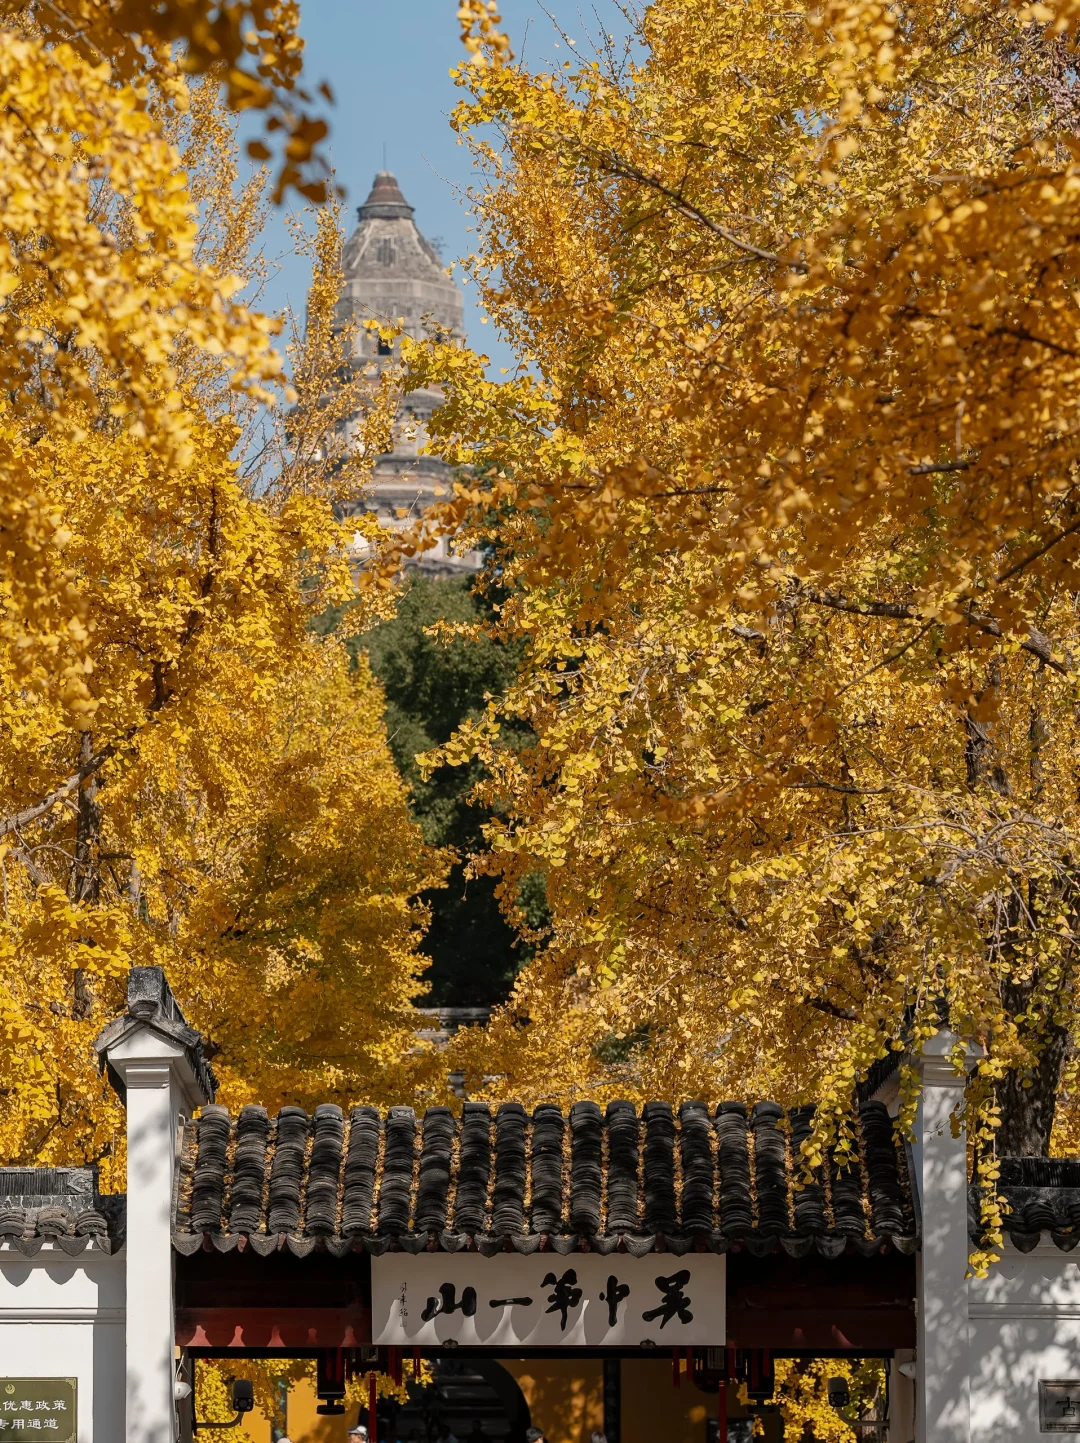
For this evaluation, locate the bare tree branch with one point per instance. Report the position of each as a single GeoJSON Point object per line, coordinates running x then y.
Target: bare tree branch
{"type": "Point", "coordinates": [897, 610]}
{"type": "Point", "coordinates": [931, 468]}
{"type": "Point", "coordinates": [1020, 565]}
{"type": "Point", "coordinates": [66, 788]}
{"type": "Point", "coordinates": [830, 1009]}
{"type": "Point", "coordinates": [1037, 644]}
{"type": "Point", "coordinates": [614, 165]}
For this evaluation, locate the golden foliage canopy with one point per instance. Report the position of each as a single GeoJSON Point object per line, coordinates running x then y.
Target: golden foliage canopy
{"type": "Point", "coordinates": [101, 290]}
{"type": "Point", "coordinates": [783, 494]}
{"type": "Point", "coordinates": [253, 46]}
{"type": "Point", "coordinates": [190, 774]}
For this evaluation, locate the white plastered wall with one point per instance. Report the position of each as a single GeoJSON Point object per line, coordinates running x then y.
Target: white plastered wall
{"type": "Point", "coordinates": [1024, 1326]}
{"type": "Point", "coordinates": [984, 1344]}
{"type": "Point", "coordinates": [63, 1317]}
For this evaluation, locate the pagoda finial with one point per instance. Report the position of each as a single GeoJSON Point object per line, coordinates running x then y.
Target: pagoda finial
{"type": "Point", "coordinates": [385, 202]}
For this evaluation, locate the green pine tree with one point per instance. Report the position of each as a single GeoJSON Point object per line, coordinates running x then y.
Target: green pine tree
{"type": "Point", "coordinates": [431, 686]}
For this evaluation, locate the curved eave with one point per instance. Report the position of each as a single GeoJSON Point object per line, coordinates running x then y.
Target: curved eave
{"type": "Point", "coordinates": [828, 1245]}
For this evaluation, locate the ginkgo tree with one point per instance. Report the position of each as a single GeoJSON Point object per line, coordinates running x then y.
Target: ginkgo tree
{"type": "Point", "coordinates": [253, 47]}
{"type": "Point", "coordinates": [190, 774]}
{"type": "Point", "coordinates": [783, 500]}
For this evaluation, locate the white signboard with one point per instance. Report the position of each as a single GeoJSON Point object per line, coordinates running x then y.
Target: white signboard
{"type": "Point", "coordinates": [580, 1300]}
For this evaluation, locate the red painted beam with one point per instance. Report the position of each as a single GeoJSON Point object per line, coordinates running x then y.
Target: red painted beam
{"type": "Point", "coordinates": [273, 1327]}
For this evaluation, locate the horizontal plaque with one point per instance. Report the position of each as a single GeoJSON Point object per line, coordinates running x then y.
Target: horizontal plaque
{"type": "Point", "coordinates": [40, 1407]}
{"type": "Point", "coordinates": [548, 1300]}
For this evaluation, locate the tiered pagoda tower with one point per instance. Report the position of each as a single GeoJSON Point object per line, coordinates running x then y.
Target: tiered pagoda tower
{"type": "Point", "coordinates": [394, 275]}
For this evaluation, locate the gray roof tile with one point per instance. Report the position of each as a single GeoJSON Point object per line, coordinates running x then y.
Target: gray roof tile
{"type": "Point", "coordinates": [663, 1178]}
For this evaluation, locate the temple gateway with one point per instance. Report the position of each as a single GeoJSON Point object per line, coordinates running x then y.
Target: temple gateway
{"type": "Point", "coordinates": [636, 1270]}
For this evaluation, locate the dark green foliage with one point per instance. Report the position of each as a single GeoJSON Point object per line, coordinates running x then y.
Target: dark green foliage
{"type": "Point", "coordinates": [431, 687]}
{"type": "Point", "coordinates": [615, 1048]}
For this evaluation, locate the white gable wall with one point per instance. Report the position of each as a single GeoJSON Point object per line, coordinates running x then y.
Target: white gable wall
{"type": "Point", "coordinates": [63, 1317]}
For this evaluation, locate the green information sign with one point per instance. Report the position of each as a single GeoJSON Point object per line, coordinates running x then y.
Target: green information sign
{"type": "Point", "coordinates": [40, 1408]}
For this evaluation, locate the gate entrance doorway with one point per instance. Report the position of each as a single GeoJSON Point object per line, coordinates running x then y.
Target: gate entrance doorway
{"type": "Point", "coordinates": [619, 1270]}
{"type": "Point", "coordinates": [630, 1399]}
{"type": "Point", "coordinates": [475, 1400]}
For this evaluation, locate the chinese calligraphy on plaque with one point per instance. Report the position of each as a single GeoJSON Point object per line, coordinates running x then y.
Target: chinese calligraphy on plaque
{"type": "Point", "coordinates": [544, 1299]}
{"type": "Point", "coordinates": [1059, 1406]}
{"type": "Point", "coordinates": [38, 1408]}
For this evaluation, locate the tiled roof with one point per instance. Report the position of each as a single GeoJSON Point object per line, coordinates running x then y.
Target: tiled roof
{"type": "Point", "coordinates": [495, 1178]}
{"type": "Point", "coordinates": [1043, 1199]}
{"type": "Point", "coordinates": [385, 200]}
{"type": "Point", "coordinates": [58, 1205]}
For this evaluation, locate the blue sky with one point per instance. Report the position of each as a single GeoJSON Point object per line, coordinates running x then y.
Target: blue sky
{"type": "Point", "coordinates": [387, 62]}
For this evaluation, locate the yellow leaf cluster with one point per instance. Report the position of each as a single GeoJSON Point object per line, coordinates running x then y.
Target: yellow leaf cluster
{"type": "Point", "coordinates": [102, 291]}
{"type": "Point", "coordinates": [253, 46]}
{"type": "Point", "coordinates": [233, 814]}
{"type": "Point", "coordinates": [783, 500]}
{"type": "Point", "coordinates": [192, 774]}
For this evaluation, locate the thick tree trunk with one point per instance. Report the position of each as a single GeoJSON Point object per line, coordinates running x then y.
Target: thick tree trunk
{"type": "Point", "coordinates": [86, 873]}
{"type": "Point", "coordinates": [1027, 1112]}
{"type": "Point", "coordinates": [1028, 1099]}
